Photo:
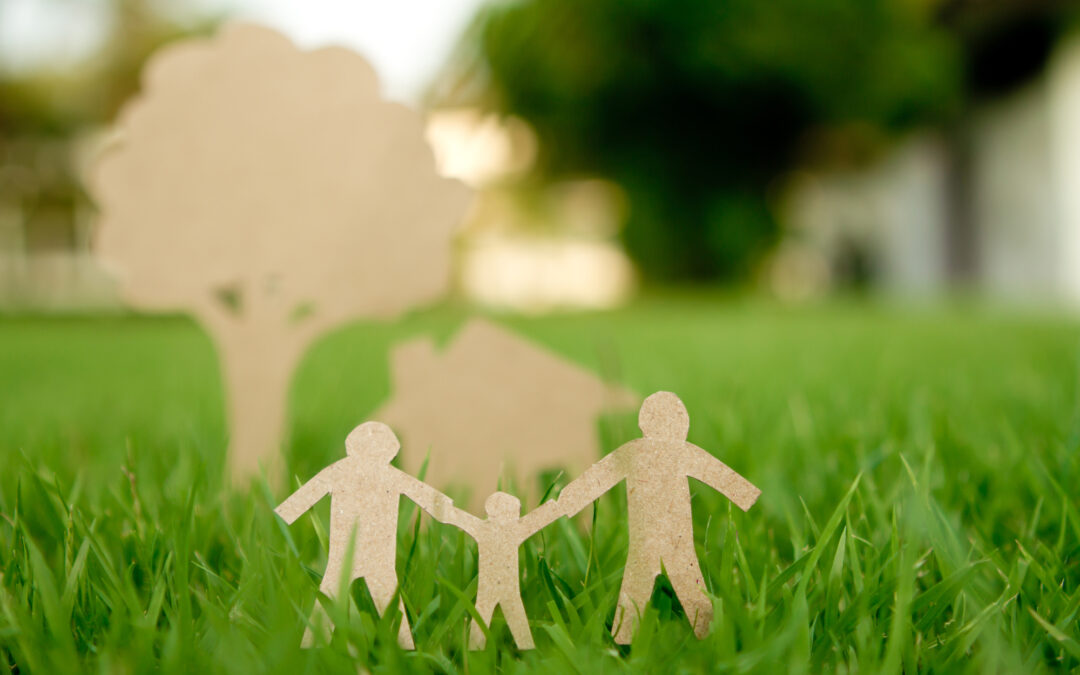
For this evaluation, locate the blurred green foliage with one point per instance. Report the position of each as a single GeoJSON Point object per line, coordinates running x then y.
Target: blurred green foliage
{"type": "Point", "coordinates": [697, 107]}
{"type": "Point", "coordinates": [61, 102]}
{"type": "Point", "coordinates": [46, 114]}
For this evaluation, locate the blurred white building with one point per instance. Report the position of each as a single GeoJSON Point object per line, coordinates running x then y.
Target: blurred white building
{"type": "Point", "coordinates": [1022, 198]}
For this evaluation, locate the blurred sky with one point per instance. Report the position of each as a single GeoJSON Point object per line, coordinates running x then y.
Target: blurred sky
{"type": "Point", "coordinates": [406, 40]}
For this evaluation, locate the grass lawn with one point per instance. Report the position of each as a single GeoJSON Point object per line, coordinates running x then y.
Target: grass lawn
{"type": "Point", "coordinates": [921, 506]}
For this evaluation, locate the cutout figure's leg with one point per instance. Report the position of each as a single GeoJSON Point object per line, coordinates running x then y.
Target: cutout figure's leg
{"type": "Point", "coordinates": [518, 621]}
{"type": "Point", "coordinates": [689, 587]}
{"type": "Point", "coordinates": [485, 607]}
{"type": "Point", "coordinates": [382, 592]}
{"type": "Point", "coordinates": [319, 618]}
{"type": "Point", "coordinates": [637, 587]}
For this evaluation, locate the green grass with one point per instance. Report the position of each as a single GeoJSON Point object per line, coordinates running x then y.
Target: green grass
{"type": "Point", "coordinates": [921, 506]}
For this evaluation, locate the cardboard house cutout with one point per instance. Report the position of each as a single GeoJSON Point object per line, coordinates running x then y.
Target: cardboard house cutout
{"type": "Point", "coordinates": [493, 404]}
{"type": "Point", "coordinates": [272, 194]}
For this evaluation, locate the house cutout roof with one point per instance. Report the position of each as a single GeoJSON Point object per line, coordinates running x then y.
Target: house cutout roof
{"type": "Point", "coordinates": [493, 404]}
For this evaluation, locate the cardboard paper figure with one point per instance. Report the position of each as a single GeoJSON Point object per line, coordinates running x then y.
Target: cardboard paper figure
{"type": "Point", "coordinates": [271, 193]}
{"type": "Point", "coordinates": [364, 494]}
{"type": "Point", "coordinates": [498, 538]}
{"type": "Point", "coordinates": [656, 468]}
{"type": "Point", "coordinates": [492, 402]}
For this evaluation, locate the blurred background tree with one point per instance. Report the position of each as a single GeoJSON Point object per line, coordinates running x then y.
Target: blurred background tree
{"type": "Point", "coordinates": [46, 112]}
{"type": "Point", "coordinates": [697, 108]}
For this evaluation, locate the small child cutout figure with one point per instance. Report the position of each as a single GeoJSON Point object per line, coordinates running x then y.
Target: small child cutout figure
{"type": "Point", "coordinates": [498, 538]}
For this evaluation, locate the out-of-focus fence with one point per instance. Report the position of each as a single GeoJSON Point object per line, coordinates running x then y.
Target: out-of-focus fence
{"type": "Point", "coordinates": [52, 275]}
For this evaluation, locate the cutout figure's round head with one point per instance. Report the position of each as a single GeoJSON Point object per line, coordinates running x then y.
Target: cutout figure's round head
{"type": "Point", "coordinates": [502, 506]}
{"type": "Point", "coordinates": [664, 416]}
{"type": "Point", "coordinates": [374, 441]}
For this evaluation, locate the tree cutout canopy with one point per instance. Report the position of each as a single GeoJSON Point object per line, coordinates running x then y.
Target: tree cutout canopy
{"type": "Point", "coordinates": [273, 194]}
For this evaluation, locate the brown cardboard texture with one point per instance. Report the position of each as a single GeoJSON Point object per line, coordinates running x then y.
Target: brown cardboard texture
{"type": "Point", "coordinates": [365, 493]}
{"type": "Point", "coordinates": [271, 193]}
{"type": "Point", "coordinates": [492, 403]}
{"type": "Point", "coordinates": [656, 468]}
{"type": "Point", "coordinates": [498, 538]}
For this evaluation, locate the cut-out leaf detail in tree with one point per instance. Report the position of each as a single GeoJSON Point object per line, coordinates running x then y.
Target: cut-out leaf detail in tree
{"type": "Point", "coordinates": [271, 193]}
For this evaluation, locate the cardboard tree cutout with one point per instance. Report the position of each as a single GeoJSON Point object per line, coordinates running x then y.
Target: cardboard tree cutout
{"type": "Point", "coordinates": [660, 521]}
{"type": "Point", "coordinates": [493, 403]}
{"type": "Point", "coordinates": [272, 194]}
{"type": "Point", "coordinates": [498, 538]}
{"type": "Point", "coordinates": [365, 492]}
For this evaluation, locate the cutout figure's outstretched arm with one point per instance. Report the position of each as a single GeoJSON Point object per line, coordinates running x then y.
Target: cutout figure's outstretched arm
{"type": "Point", "coordinates": [720, 477]}
{"type": "Point", "coordinates": [306, 495]}
{"type": "Point", "coordinates": [426, 497]}
{"type": "Point", "coordinates": [539, 518]}
{"type": "Point", "coordinates": [463, 520]}
{"type": "Point", "coordinates": [595, 481]}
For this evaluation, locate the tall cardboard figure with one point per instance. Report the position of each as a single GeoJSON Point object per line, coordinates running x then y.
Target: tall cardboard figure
{"type": "Point", "coordinates": [498, 538]}
{"type": "Point", "coordinates": [656, 468]}
{"type": "Point", "coordinates": [365, 492]}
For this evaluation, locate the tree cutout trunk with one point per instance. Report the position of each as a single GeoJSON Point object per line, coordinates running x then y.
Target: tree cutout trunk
{"type": "Point", "coordinates": [257, 373]}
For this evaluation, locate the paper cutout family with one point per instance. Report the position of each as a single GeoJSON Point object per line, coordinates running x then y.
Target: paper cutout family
{"type": "Point", "coordinates": [365, 489]}
{"type": "Point", "coordinates": [273, 194]}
